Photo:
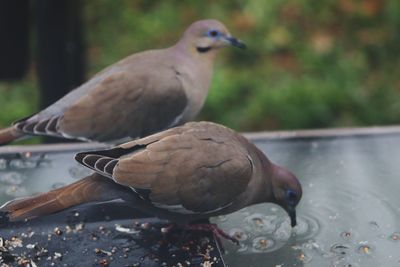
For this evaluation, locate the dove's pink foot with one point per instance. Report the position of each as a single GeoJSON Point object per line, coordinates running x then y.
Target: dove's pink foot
{"type": "Point", "coordinates": [212, 227]}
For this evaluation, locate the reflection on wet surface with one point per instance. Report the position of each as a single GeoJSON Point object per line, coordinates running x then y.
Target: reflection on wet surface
{"type": "Point", "coordinates": [349, 214]}
{"type": "Point", "coordinates": [28, 173]}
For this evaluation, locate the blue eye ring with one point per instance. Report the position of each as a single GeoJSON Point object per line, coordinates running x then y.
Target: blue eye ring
{"type": "Point", "coordinates": [214, 33]}
{"type": "Point", "coordinates": [291, 197]}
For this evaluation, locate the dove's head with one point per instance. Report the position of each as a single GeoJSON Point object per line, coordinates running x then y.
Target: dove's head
{"type": "Point", "coordinates": [287, 191]}
{"type": "Point", "coordinates": [205, 36]}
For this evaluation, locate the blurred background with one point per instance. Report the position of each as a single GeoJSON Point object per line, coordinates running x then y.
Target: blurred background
{"type": "Point", "coordinates": [309, 64]}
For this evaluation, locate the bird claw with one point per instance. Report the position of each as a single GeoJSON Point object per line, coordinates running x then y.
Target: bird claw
{"type": "Point", "coordinates": [217, 232]}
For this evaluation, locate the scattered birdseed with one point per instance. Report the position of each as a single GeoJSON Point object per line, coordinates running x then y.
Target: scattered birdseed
{"type": "Point", "coordinates": [102, 251]}
{"type": "Point", "coordinates": [126, 230]}
{"type": "Point", "coordinates": [104, 262]}
{"type": "Point", "coordinates": [30, 246]}
{"type": "Point", "coordinates": [58, 231]}
{"type": "Point", "coordinates": [14, 242]}
{"type": "Point", "coordinates": [23, 262]}
{"type": "Point", "coordinates": [57, 255]}
{"type": "Point", "coordinates": [145, 226]}
{"type": "Point", "coordinates": [165, 230]}
{"type": "Point", "coordinates": [32, 253]}
{"type": "Point", "coordinates": [79, 226]}
{"type": "Point", "coordinates": [68, 229]}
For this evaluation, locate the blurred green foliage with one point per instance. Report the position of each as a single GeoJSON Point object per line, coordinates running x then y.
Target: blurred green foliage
{"type": "Point", "coordinates": [17, 101]}
{"type": "Point", "coordinates": [309, 64]}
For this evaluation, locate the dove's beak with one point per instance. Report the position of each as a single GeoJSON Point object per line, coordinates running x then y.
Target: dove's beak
{"type": "Point", "coordinates": [234, 42]}
{"type": "Point", "coordinates": [292, 214]}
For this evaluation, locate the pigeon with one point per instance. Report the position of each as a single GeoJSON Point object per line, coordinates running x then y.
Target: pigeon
{"type": "Point", "coordinates": [184, 174]}
{"type": "Point", "coordinates": [142, 94]}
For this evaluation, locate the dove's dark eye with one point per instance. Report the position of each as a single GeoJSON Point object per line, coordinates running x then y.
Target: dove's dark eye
{"type": "Point", "coordinates": [291, 197]}
{"type": "Point", "coordinates": [213, 33]}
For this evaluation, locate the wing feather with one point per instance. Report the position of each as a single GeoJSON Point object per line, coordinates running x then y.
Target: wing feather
{"type": "Point", "coordinates": [113, 105]}
{"type": "Point", "coordinates": [195, 170]}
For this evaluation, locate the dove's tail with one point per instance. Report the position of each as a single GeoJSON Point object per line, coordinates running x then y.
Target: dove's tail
{"type": "Point", "coordinates": [9, 134]}
{"type": "Point", "coordinates": [93, 188]}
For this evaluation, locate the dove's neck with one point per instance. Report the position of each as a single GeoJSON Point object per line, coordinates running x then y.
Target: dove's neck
{"type": "Point", "coordinates": [261, 186]}
{"type": "Point", "coordinates": [202, 55]}
{"type": "Point", "coordinates": [195, 74]}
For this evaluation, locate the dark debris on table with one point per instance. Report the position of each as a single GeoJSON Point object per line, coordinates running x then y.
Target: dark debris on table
{"type": "Point", "coordinates": [121, 242]}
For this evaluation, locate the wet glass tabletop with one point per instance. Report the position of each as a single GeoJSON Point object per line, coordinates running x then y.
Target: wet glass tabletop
{"type": "Point", "coordinates": [349, 214]}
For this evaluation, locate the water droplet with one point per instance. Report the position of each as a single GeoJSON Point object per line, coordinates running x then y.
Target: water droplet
{"type": "Point", "coordinates": [365, 248]}
{"type": "Point", "coordinates": [305, 257]}
{"type": "Point", "coordinates": [339, 249]}
{"type": "Point", "coordinates": [283, 232]}
{"type": "Point", "coordinates": [346, 235]}
{"type": "Point", "coordinates": [311, 244]}
{"type": "Point", "coordinates": [16, 191]}
{"type": "Point", "coordinates": [328, 254]}
{"type": "Point", "coordinates": [262, 243]}
{"type": "Point", "coordinates": [239, 234]}
{"type": "Point", "coordinates": [44, 160]}
{"type": "Point", "coordinates": [11, 178]}
{"type": "Point", "coordinates": [301, 227]}
{"type": "Point", "coordinates": [3, 164]}
{"type": "Point", "coordinates": [242, 248]}
{"type": "Point", "coordinates": [333, 216]}
{"type": "Point", "coordinates": [273, 209]}
{"type": "Point", "coordinates": [382, 236]}
{"type": "Point", "coordinates": [344, 263]}
{"type": "Point", "coordinates": [260, 223]}
{"type": "Point", "coordinates": [314, 145]}
{"type": "Point", "coordinates": [374, 225]}
{"type": "Point", "coordinates": [395, 236]}
{"type": "Point", "coordinates": [27, 154]}
{"type": "Point", "coordinates": [22, 164]}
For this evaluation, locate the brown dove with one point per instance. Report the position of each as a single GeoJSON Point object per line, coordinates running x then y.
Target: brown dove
{"type": "Point", "coordinates": [142, 94]}
{"type": "Point", "coordinates": [183, 174]}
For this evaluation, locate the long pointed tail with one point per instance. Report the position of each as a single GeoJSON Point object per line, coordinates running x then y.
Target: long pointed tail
{"type": "Point", "coordinates": [93, 188]}
{"type": "Point", "coordinates": [9, 134]}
